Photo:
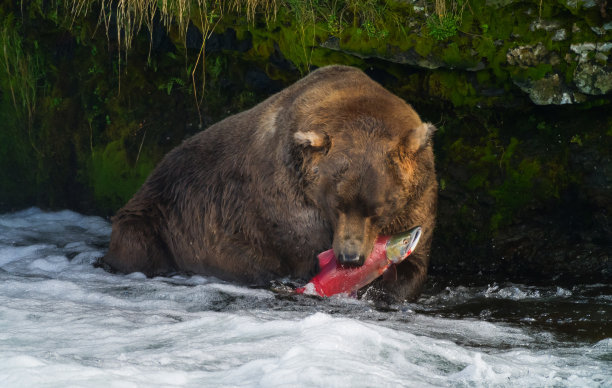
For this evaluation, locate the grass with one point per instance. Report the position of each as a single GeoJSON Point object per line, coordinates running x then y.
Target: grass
{"type": "Point", "coordinates": [444, 22]}
{"type": "Point", "coordinates": [132, 15]}
{"type": "Point", "coordinates": [22, 70]}
{"type": "Point", "coordinates": [364, 24]}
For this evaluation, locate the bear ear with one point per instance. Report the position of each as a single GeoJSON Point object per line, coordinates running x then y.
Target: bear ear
{"type": "Point", "coordinates": [311, 139]}
{"type": "Point", "coordinates": [418, 137]}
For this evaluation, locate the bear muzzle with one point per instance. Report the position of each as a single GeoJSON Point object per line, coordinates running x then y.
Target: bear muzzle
{"type": "Point", "coordinates": [353, 239]}
{"type": "Point", "coordinates": [351, 259]}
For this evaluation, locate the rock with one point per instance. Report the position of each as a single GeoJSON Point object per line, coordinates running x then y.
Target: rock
{"type": "Point", "coordinates": [560, 35]}
{"type": "Point", "coordinates": [593, 74]}
{"type": "Point", "coordinates": [392, 54]}
{"type": "Point", "coordinates": [578, 4]}
{"type": "Point", "coordinates": [591, 78]}
{"type": "Point", "coordinates": [542, 24]}
{"type": "Point", "coordinates": [531, 55]}
{"type": "Point", "coordinates": [550, 90]}
{"type": "Point", "coordinates": [599, 30]}
{"type": "Point", "coordinates": [583, 48]}
{"type": "Point", "coordinates": [227, 41]}
{"type": "Point", "coordinates": [259, 81]}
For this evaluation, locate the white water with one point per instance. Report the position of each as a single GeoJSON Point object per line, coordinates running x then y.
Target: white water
{"type": "Point", "coordinates": [65, 323]}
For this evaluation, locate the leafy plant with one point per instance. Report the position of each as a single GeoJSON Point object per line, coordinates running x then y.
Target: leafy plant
{"type": "Point", "coordinates": [444, 22]}
{"type": "Point", "coordinates": [443, 27]}
{"type": "Point", "coordinates": [372, 31]}
{"type": "Point", "coordinates": [167, 86]}
{"type": "Point", "coordinates": [334, 24]}
{"type": "Point", "coordinates": [216, 67]}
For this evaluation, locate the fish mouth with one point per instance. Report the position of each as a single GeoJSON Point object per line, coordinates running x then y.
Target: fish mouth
{"type": "Point", "coordinates": [401, 245]}
{"type": "Point", "coordinates": [416, 236]}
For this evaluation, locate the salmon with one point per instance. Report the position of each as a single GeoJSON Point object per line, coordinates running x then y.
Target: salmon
{"type": "Point", "coordinates": [334, 278]}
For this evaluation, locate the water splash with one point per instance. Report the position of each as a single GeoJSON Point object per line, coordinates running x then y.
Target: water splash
{"type": "Point", "coordinates": [64, 322]}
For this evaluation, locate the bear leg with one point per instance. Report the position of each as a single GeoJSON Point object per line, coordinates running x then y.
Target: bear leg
{"type": "Point", "coordinates": [136, 246]}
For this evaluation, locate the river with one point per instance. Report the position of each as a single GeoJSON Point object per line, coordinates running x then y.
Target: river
{"type": "Point", "coordinates": [64, 322]}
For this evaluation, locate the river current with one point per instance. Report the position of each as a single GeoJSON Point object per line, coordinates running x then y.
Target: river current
{"type": "Point", "coordinates": [64, 322]}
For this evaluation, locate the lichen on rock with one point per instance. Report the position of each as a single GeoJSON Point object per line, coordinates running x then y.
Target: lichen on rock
{"type": "Point", "coordinates": [532, 55]}
{"type": "Point", "coordinates": [550, 91]}
{"type": "Point", "coordinates": [593, 74]}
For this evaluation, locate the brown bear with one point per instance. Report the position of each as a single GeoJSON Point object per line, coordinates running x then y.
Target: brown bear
{"type": "Point", "coordinates": [332, 161]}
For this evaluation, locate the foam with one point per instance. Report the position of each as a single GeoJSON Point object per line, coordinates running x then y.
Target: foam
{"type": "Point", "coordinates": [65, 323]}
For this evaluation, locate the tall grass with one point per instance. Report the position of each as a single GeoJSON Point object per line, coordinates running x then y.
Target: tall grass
{"type": "Point", "coordinates": [126, 18]}
{"type": "Point", "coordinates": [20, 73]}
{"type": "Point", "coordinates": [130, 16]}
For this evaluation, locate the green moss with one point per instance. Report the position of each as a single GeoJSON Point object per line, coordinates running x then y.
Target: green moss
{"type": "Point", "coordinates": [515, 192]}
{"type": "Point", "coordinates": [500, 24]}
{"type": "Point", "coordinates": [503, 168]}
{"type": "Point", "coordinates": [263, 47]}
{"type": "Point", "coordinates": [452, 55]}
{"type": "Point", "coordinates": [483, 77]}
{"type": "Point", "coordinates": [357, 40]}
{"type": "Point", "coordinates": [532, 73]}
{"type": "Point", "coordinates": [323, 57]}
{"type": "Point", "coordinates": [485, 48]}
{"type": "Point", "coordinates": [113, 178]}
{"type": "Point", "coordinates": [424, 46]}
{"type": "Point", "coordinates": [452, 86]}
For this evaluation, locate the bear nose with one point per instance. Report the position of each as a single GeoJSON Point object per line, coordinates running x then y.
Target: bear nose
{"type": "Point", "coordinates": [349, 259]}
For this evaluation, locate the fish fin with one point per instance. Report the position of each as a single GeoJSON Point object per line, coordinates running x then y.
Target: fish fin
{"type": "Point", "coordinates": [325, 258]}
{"type": "Point", "coordinates": [390, 275]}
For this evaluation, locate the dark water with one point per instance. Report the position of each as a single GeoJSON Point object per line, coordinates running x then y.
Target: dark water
{"type": "Point", "coordinates": [64, 322]}
{"type": "Point", "coordinates": [582, 313]}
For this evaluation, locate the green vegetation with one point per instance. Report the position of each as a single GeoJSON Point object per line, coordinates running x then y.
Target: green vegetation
{"type": "Point", "coordinates": [95, 93]}
{"type": "Point", "coordinates": [443, 27]}
{"type": "Point", "coordinates": [24, 71]}
{"type": "Point", "coordinates": [446, 19]}
{"type": "Point", "coordinates": [114, 177]}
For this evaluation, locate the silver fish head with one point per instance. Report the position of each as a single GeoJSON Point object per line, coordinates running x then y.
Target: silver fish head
{"type": "Point", "coordinates": [401, 245]}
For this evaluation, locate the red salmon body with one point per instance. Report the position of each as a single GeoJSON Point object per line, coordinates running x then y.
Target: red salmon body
{"type": "Point", "coordinates": [334, 278]}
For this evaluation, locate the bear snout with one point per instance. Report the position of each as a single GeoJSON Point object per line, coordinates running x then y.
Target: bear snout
{"type": "Point", "coordinates": [351, 259]}
{"type": "Point", "coordinates": [350, 250]}
{"type": "Point", "coordinates": [353, 239]}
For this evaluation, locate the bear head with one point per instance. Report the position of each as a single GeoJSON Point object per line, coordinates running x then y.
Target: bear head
{"type": "Point", "coordinates": [364, 157]}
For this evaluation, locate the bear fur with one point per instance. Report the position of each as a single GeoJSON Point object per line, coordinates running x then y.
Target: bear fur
{"type": "Point", "coordinates": [332, 161]}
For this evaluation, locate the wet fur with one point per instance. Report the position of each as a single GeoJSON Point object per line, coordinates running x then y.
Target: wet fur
{"type": "Point", "coordinates": [258, 195]}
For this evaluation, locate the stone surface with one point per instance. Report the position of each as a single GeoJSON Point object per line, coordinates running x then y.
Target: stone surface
{"type": "Point", "coordinates": [550, 91]}
{"type": "Point", "coordinates": [593, 74]}
{"type": "Point", "coordinates": [407, 57]}
{"type": "Point", "coordinates": [560, 35]}
{"type": "Point", "coordinates": [531, 55]}
{"type": "Point", "coordinates": [592, 78]}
